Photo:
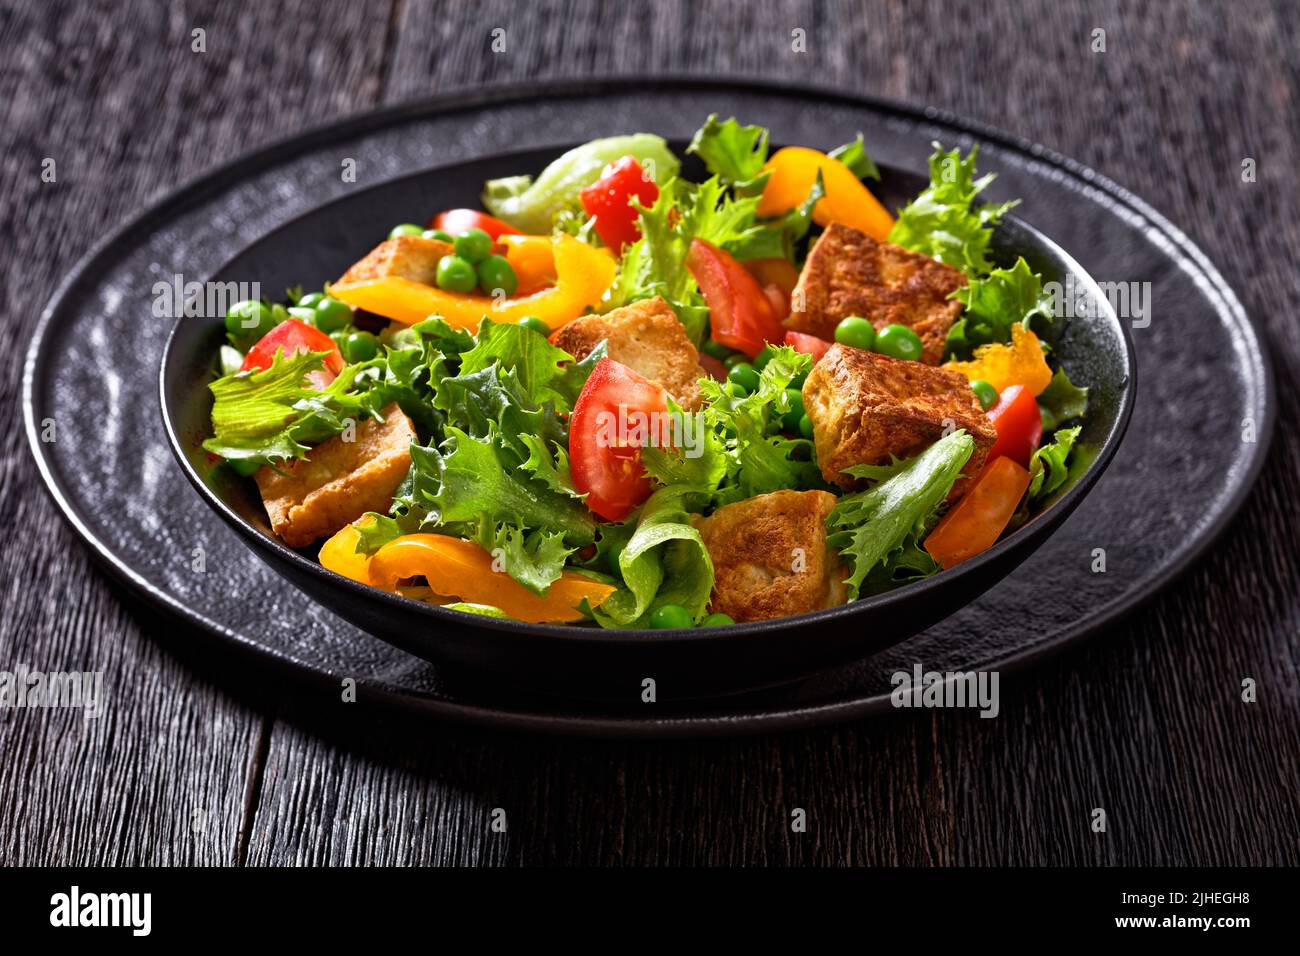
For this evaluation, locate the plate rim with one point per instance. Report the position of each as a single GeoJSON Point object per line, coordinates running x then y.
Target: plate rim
{"type": "Point", "coordinates": [197, 188]}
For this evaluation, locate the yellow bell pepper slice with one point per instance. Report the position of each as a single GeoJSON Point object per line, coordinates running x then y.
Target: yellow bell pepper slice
{"type": "Point", "coordinates": [1020, 362]}
{"type": "Point", "coordinates": [463, 569]}
{"type": "Point", "coordinates": [339, 554]}
{"type": "Point", "coordinates": [583, 274]}
{"type": "Point", "coordinates": [794, 171]}
{"type": "Point", "coordinates": [531, 258]}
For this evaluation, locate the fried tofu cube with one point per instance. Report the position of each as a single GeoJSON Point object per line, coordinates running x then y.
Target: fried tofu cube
{"type": "Point", "coordinates": [866, 407]}
{"type": "Point", "coordinates": [849, 273]}
{"type": "Point", "coordinates": [770, 557]}
{"type": "Point", "coordinates": [406, 257]}
{"type": "Point", "coordinates": [645, 336]}
{"type": "Point", "coordinates": [339, 481]}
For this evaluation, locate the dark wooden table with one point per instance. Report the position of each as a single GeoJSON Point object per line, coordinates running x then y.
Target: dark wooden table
{"type": "Point", "coordinates": [196, 764]}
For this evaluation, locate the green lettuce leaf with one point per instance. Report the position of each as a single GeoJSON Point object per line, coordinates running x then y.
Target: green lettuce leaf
{"type": "Point", "coordinates": [733, 153]}
{"type": "Point", "coordinates": [943, 222]}
{"type": "Point", "coordinates": [273, 415]}
{"type": "Point", "coordinates": [867, 527]}
{"type": "Point", "coordinates": [993, 304]}
{"type": "Point", "coordinates": [854, 155]}
{"type": "Point", "coordinates": [1048, 466]}
{"type": "Point", "coordinates": [530, 205]}
{"type": "Point", "coordinates": [1061, 401]}
{"type": "Point", "coordinates": [664, 561]}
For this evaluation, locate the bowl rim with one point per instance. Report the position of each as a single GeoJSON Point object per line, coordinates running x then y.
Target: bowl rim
{"type": "Point", "coordinates": [586, 632]}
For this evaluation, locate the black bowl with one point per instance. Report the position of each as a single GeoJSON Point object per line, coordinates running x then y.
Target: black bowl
{"type": "Point", "coordinates": [1094, 347]}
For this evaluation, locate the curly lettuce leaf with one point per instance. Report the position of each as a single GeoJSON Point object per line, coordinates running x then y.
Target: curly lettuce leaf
{"type": "Point", "coordinates": [273, 415]}
{"type": "Point", "coordinates": [531, 205]}
{"type": "Point", "coordinates": [943, 222]}
{"type": "Point", "coordinates": [993, 304]}
{"type": "Point", "coordinates": [733, 153]}
{"type": "Point", "coordinates": [868, 527]}
{"type": "Point", "coordinates": [854, 155]}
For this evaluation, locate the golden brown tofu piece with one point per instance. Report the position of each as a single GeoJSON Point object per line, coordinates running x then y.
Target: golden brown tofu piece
{"type": "Point", "coordinates": [408, 257]}
{"type": "Point", "coordinates": [849, 273]}
{"type": "Point", "coordinates": [645, 336]}
{"type": "Point", "coordinates": [339, 481]}
{"type": "Point", "coordinates": [865, 407]}
{"type": "Point", "coordinates": [770, 557]}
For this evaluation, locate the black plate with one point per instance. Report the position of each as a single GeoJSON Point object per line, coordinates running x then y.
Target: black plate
{"type": "Point", "coordinates": [589, 662]}
{"type": "Point", "coordinates": [109, 468]}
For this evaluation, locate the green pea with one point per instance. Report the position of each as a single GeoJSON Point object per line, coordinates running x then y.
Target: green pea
{"type": "Point", "coordinates": [790, 420]}
{"type": "Point", "coordinates": [763, 357]}
{"type": "Point", "coordinates": [438, 234]}
{"type": "Point", "coordinates": [495, 273]}
{"type": "Point", "coordinates": [806, 427]}
{"type": "Point", "coordinates": [249, 318]}
{"type": "Point", "coordinates": [986, 393]}
{"type": "Point", "coordinates": [244, 467]}
{"type": "Point", "coordinates": [856, 332]}
{"type": "Point", "coordinates": [734, 390]}
{"type": "Point", "coordinates": [332, 315]}
{"type": "Point", "coordinates": [537, 325]}
{"type": "Point", "coordinates": [734, 359]}
{"type": "Point", "coordinates": [716, 349]}
{"type": "Point", "coordinates": [310, 299]}
{"type": "Point", "coordinates": [456, 274]}
{"type": "Point", "coordinates": [360, 347]}
{"type": "Point", "coordinates": [473, 245]}
{"type": "Point", "coordinates": [900, 342]}
{"type": "Point", "coordinates": [744, 375]}
{"type": "Point", "coordinates": [669, 616]}
{"type": "Point", "coordinates": [717, 620]}
{"type": "Point", "coordinates": [406, 229]}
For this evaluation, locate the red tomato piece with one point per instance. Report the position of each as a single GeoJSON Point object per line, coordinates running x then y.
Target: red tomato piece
{"type": "Point", "coordinates": [294, 336]}
{"type": "Point", "coordinates": [740, 315]}
{"type": "Point", "coordinates": [456, 221]}
{"type": "Point", "coordinates": [1019, 424]}
{"type": "Point", "coordinates": [715, 369]}
{"type": "Point", "coordinates": [808, 344]}
{"type": "Point", "coordinates": [609, 201]}
{"type": "Point", "coordinates": [976, 522]}
{"type": "Point", "coordinates": [615, 408]}
{"type": "Point", "coordinates": [777, 299]}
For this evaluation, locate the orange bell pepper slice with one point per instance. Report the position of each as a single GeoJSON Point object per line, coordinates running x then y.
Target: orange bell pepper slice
{"type": "Point", "coordinates": [463, 569]}
{"type": "Point", "coordinates": [794, 171]}
{"type": "Point", "coordinates": [583, 274]}
{"type": "Point", "coordinates": [976, 522]}
{"type": "Point", "coordinates": [1020, 362]}
{"type": "Point", "coordinates": [339, 554]}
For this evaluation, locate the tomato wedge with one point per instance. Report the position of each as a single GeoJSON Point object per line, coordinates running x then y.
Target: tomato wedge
{"type": "Point", "coordinates": [456, 221]}
{"type": "Point", "coordinates": [976, 522]}
{"type": "Point", "coordinates": [740, 315]}
{"type": "Point", "coordinates": [609, 201]}
{"type": "Point", "coordinates": [1019, 424]}
{"type": "Point", "coordinates": [807, 344]}
{"type": "Point", "coordinates": [294, 336]}
{"type": "Point", "coordinates": [610, 423]}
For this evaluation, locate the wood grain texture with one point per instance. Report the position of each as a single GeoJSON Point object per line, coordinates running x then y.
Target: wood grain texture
{"type": "Point", "coordinates": [1146, 722]}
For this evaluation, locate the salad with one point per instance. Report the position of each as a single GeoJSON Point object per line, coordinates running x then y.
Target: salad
{"type": "Point", "coordinates": [622, 398]}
